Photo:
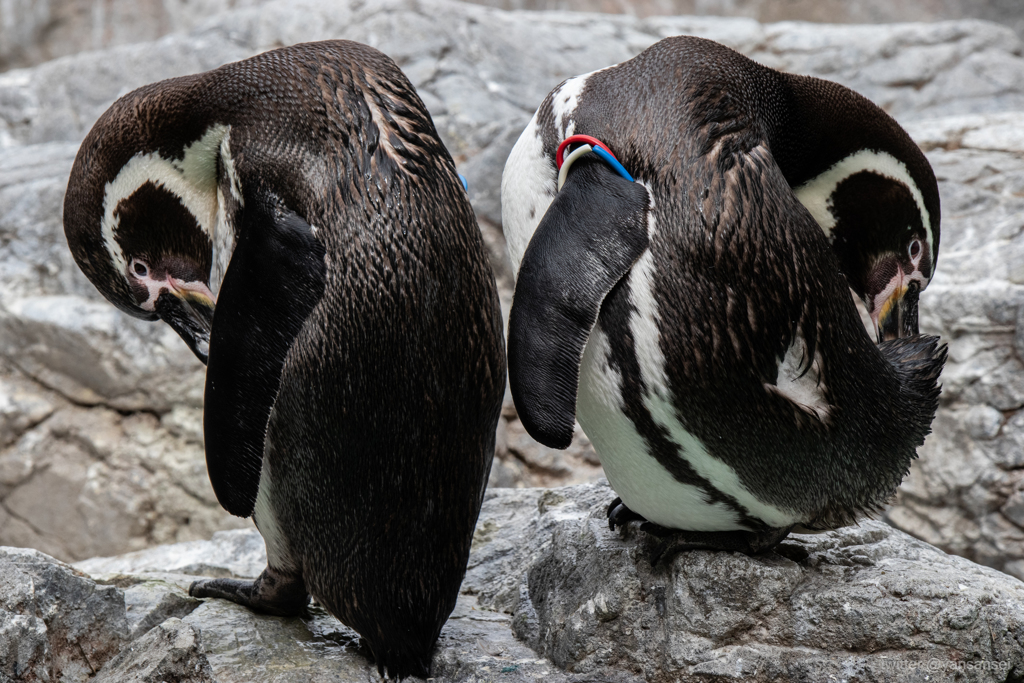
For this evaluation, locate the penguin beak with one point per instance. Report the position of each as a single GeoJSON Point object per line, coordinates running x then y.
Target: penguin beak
{"type": "Point", "coordinates": [189, 312]}
{"type": "Point", "coordinates": [896, 315]}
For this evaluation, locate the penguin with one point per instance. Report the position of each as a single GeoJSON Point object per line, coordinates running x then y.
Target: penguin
{"type": "Point", "coordinates": [717, 273]}
{"type": "Point", "coordinates": [295, 218]}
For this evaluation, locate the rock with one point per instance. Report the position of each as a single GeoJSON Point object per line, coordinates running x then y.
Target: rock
{"type": "Point", "coordinates": [238, 553]}
{"type": "Point", "coordinates": [958, 492]}
{"type": "Point", "coordinates": [93, 354]}
{"type": "Point", "coordinates": [862, 603]}
{"type": "Point", "coordinates": [850, 602]}
{"type": "Point", "coordinates": [22, 406]}
{"type": "Point", "coordinates": [172, 651]}
{"type": "Point", "coordinates": [55, 624]}
{"type": "Point", "coordinates": [826, 11]}
{"type": "Point", "coordinates": [34, 32]}
{"type": "Point", "coordinates": [93, 482]}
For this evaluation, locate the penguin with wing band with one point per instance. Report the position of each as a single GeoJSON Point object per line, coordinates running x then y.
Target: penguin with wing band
{"type": "Point", "coordinates": [691, 303]}
{"type": "Point", "coordinates": [296, 219]}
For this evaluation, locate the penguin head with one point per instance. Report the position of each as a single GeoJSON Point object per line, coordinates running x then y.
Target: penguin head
{"type": "Point", "coordinates": [873, 192]}
{"type": "Point", "coordinates": [140, 213]}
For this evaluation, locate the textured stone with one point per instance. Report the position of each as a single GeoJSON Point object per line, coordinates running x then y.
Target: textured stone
{"type": "Point", "coordinates": [55, 624]}
{"type": "Point", "coordinates": [93, 354]}
{"type": "Point", "coordinates": [866, 603]}
{"type": "Point", "coordinates": [821, 607]}
{"type": "Point", "coordinates": [92, 482]}
{"type": "Point", "coordinates": [171, 651]}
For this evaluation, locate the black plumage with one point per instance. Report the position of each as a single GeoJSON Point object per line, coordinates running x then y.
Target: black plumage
{"type": "Point", "coordinates": [356, 363]}
{"type": "Point", "coordinates": [734, 354]}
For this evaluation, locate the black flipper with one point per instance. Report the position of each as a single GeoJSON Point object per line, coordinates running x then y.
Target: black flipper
{"type": "Point", "coordinates": [594, 231]}
{"type": "Point", "coordinates": [275, 278]}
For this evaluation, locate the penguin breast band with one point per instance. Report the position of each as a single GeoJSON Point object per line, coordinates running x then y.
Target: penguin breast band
{"type": "Point", "coordinates": [587, 144]}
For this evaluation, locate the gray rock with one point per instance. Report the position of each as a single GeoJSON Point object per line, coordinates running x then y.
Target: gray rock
{"type": "Point", "coordinates": [33, 32]}
{"type": "Point", "coordinates": [55, 624]}
{"type": "Point", "coordinates": [93, 354]}
{"type": "Point", "coordinates": [855, 602]}
{"type": "Point", "coordinates": [22, 406]}
{"type": "Point", "coordinates": [171, 651]}
{"type": "Point", "coordinates": [958, 493]}
{"type": "Point", "coordinates": [238, 554]}
{"type": "Point", "coordinates": [88, 482]}
{"type": "Point", "coordinates": [864, 603]}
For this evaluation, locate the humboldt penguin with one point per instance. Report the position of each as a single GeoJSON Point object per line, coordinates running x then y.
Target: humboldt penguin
{"type": "Point", "coordinates": [297, 220]}
{"type": "Point", "coordinates": [687, 229]}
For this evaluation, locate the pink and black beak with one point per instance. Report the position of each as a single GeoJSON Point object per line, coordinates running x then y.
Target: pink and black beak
{"type": "Point", "coordinates": [892, 295]}
{"type": "Point", "coordinates": [188, 309]}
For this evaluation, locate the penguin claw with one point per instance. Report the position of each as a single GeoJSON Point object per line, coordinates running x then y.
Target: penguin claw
{"type": "Point", "coordinates": [620, 515]}
{"type": "Point", "coordinates": [271, 593]}
{"type": "Point", "coordinates": [674, 541]}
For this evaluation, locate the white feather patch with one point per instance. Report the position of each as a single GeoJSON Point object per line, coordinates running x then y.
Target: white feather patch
{"type": "Point", "coordinates": [527, 190]}
{"type": "Point", "coordinates": [640, 480]}
{"type": "Point", "coordinates": [278, 554]}
{"type": "Point", "coordinates": [803, 389]}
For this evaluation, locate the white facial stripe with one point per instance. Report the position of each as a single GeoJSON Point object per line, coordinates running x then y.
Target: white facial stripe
{"type": "Point", "coordinates": [224, 234]}
{"type": "Point", "coordinates": [527, 189]}
{"type": "Point", "coordinates": [228, 163]}
{"type": "Point", "coordinates": [803, 389]}
{"type": "Point", "coordinates": [192, 179]}
{"type": "Point", "coordinates": [816, 193]}
{"type": "Point", "coordinates": [154, 287]}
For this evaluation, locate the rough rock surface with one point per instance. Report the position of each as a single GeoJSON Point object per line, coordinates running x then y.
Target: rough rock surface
{"type": "Point", "coordinates": [32, 32]}
{"type": "Point", "coordinates": [867, 603]}
{"type": "Point", "coordinates": [955, 85]}
{"type": "Point", "coordinates": [55, 624]}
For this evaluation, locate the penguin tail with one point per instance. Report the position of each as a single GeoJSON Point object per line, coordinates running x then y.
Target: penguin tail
{"type": "Point", "coordinates": [917, 362]}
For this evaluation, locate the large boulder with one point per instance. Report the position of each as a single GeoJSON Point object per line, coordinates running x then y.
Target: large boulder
{"type": "Point", "coordinates": [552, 594]}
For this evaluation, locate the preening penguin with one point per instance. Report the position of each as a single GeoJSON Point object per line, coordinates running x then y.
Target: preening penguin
{"type": "Point", "coordinates": [693, 307]}
{"type": "Point", "coordinates": [296, 219]}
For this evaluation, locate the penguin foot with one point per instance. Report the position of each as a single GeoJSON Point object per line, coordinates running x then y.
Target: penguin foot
{"type": "Point", "coordinates": [673, 541]}
{"type": "Point", "coordinates": [272, 592]}
{"type": "Point", "coordinates": [620, 515]}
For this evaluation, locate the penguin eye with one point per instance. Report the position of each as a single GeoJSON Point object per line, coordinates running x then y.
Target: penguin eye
{"type": "Point", "coordinates": [914, 249]}
{"type": "Point", "coordinates": [140, 268]}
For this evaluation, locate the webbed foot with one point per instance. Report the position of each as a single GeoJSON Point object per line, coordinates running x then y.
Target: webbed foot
{"type": "Point", "coordinates": [620, 515]}
{"type": "Point", "coordinates": [272, 592]}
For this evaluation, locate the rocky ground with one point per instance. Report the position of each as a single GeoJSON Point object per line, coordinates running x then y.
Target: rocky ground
{"type": "Point", "coordinates": [100, 414]}
{"type": "Point", "coordinates": [551, 595]}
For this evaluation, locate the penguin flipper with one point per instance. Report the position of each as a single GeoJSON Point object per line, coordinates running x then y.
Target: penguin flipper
{"type": "Point", "coordinates": [593, 232]}
{"type": "Point", "coordinates": [275, 279]}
